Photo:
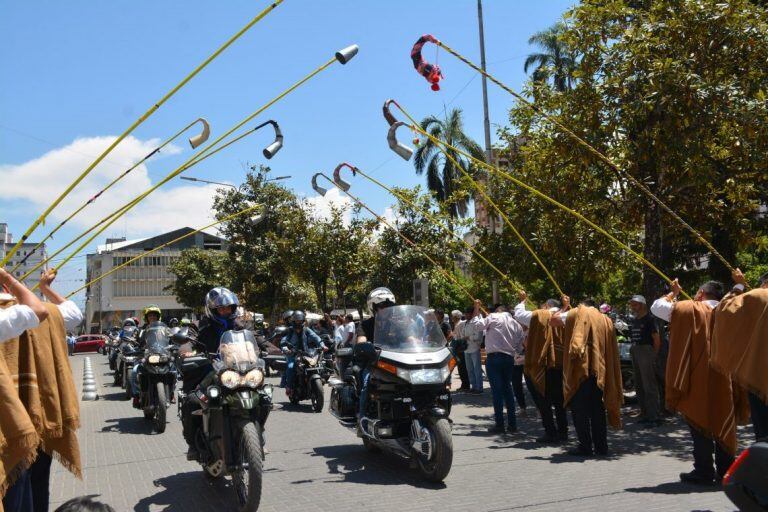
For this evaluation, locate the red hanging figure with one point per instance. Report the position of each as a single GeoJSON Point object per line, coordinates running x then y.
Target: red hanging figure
{"type": "Point", "coordinates": [429, 71]}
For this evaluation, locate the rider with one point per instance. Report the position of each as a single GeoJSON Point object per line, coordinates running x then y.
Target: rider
{"type": "Point", "coordinates": [379, 298]}
{"type": "Point", "coordinates": [151, 314]}
{"type": "Point", "coordinates": [300, 337]}
{"type": "Point", "coordinates": [127, 332]}
{"type": "Point", "coordinates": [220, 316]}
{"type": "Point", "coordinates": [173, 322]}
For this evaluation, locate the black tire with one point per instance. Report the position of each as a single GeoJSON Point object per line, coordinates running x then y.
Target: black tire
{"type": "Point", "coordinates": [317, 395]}
{"type": "Point", "coordinates": [439, 465]}
{"type": "Point", "coordinates": [127, 384]}
{"type": "Point", "coordinates": [248, 492]}
{"type": "Point", "coordinates": [158, 418]}
{"type": "Point", "coordinates": [370, 446]}
{"type": "Point", "coordinates": [118, 380]}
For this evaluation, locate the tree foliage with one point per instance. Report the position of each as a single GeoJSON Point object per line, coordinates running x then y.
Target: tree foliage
{"type": "Point", "coordinates": [197, 271]}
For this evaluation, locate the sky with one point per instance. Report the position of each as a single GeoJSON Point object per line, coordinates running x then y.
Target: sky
{"type": "Point", "coordinates": [76, 74]}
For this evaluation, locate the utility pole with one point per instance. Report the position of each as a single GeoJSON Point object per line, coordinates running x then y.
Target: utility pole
{"type": "Point", "coordinates": [487, 126]}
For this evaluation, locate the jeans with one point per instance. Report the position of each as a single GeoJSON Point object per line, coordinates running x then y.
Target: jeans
{"type": "Point", "coordinates": [589, 419]}
{"type": "Point", "coordinates": [499, 367]}
{"type": "Point", "coordinates": [18, 497]}
{"type": "Point", "coordinates": [365, 377]}
{"type": "Point", "coordinates": [31, 492]}
{"type": "Point", "coordinates": [517, 385]}
{"type": "Point", "coordinates": [133, 378]}
{"type": "Point", "coordinates": [461, 364]}
{"type": "Point", "coordinates": [474, 370]}
{"type": "Point", "coordinates": [290, 370]}
{"type": "Point", "coordinates": [759, 411]}
{"type": "Point", "coordinates": [646, 385]}
{"type": "Point", "coordinates": [703, 450]}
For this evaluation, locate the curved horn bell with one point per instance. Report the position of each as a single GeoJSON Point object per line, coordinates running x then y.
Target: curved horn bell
{"type": "Point", "coordinates": [320, 190]}
{"type": "Point", "coordinates": [387, 113]}
{"type": "Point", "coordinates": [343, 185]}
{"type": "Point", "coordinates": [199, 139]}
{"type": "Point", "coordinates": [346, 54]}
{"type": "Point", "coordinates": [273, 148]}
{"type": "Point", "coordinates": [401, 149]}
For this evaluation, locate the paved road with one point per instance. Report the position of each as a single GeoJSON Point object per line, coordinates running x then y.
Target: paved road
{"type": "Point", "coordinates": [315, 464]}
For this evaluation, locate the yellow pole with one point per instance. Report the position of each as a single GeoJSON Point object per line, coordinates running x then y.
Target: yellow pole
{"type": "Point", "coordinates": [163, 246]}
{"type": "Point", "coordinates": [135, 125]}
{"type": "Point", "coordinates": [610, 163]}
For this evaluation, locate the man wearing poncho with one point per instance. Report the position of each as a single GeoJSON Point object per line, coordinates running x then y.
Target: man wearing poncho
{"type": "Point", "coordinates": [544, 367]}
{"type": "Point", "coordinates": [592, 385]}
{"type": "Point", "coordinates": [740, 346]}
{"type": "Point", "coordinates": [706, 399]}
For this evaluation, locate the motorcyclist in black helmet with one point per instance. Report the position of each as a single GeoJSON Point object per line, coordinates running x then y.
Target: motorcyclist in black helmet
{"type": "Point", "coordinates": [299, 337]}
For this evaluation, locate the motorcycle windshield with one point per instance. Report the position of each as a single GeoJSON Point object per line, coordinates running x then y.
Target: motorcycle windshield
{"type": "Point", "coordinates": [238, 351]}
{"type": "Point", "coordinates": [408, 329]}
{"type": "Point", "coordinates": [157, 337]}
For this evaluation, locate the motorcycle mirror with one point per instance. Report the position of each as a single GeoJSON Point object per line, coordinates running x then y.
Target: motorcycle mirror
{"type": "Point", "coordinates": [346, 54]}
{"type": "Point", "coordinates": [199, 139]}
{"type": "Point", "coordinates": [401, 149]}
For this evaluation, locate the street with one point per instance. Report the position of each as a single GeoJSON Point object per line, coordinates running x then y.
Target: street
{"type": "Point", "coordinates": [313, 463]}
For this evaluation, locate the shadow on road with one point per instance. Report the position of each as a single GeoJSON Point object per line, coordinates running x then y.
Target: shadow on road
{"type": "Point", "coordinates": [674, 488]}
{"type": "Point", "coordinates": [132, 425]}
{"type": "Point", "coordinates": [354, 464]}
{"type": "Point", "coordinates": [189, 491]}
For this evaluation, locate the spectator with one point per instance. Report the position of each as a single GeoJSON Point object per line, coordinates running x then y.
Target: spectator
{"type": "Point", "coordinates": [349, 330]}
{"type": "Point", "coordinates": [503, 341]}
{"type": "Point", "coordinates": [70, 343]}
{"type": "Point", "coordinates": [338, 331]}
{"type": "Point", "coordinates": [472, 356]}
{"type": "Point", "coordinates": [72, 315]}
{"type": "Point", "coordinates": [517, 377]}
{"type": "Point", "coordinates": [458, 346]}
{"type": "Point", "coordinates": [84, 504]}
{"type": "Point", "coordinates": [27, 314]}
{"type": "Point", "coordinates": [646, 344]}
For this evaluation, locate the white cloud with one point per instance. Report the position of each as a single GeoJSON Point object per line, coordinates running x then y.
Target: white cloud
{"type": "Point", "coordinates": [321, 205]}
{"type": "Point", "coordinates": [39, 181]}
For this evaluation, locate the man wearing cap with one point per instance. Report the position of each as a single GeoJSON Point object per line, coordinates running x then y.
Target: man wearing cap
{"type": "Point", "coordinates": [646, 344]}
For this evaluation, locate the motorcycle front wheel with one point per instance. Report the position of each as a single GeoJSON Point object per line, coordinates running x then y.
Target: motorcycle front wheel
{"type": "Point", "coordinates": [247, 479]}
{"type": "Point", "coordinates": [127, 383]}
{"type": "Point", "coordinates": [437, 467]}
{"type": "Point", "coordinates": [318, 398]}
{"type": "Point", "coordinates": [158, 420]}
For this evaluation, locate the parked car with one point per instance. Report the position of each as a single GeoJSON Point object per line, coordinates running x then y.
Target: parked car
{"type": "Point", "coordinates": [90, 343]}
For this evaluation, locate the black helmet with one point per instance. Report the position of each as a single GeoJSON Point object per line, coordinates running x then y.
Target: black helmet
{"type": "Point", "coordinates": [129, 322]}
{"type": "Point", "coordinates": [298, 318]}
{"type": "Point", "coordinates": [287, 316]}
{"type": "Point", "coordinates": [173, 322]}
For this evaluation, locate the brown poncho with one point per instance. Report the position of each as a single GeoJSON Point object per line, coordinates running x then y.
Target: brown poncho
{"type": "Point", "coordinates": [591, 350]}
{"type": "Point", "coordinates": [544, 349]}
{"type": "Point", "coordinates": [38, 365]}
{"type": "Point", "coordinates": [704, 397]}
{"type": "Point", "coordinates": [739, 346]}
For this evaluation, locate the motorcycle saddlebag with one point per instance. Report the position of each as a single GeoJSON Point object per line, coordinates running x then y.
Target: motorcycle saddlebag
{"type": "Point", "coordinates": [194, 368]}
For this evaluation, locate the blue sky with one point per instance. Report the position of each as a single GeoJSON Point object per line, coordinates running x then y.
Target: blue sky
{"type": "Point", "coordinates": [86, 70]}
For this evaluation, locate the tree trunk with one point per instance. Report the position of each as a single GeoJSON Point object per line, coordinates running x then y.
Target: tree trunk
{"type": "Point", "coordinates": [653, 285]}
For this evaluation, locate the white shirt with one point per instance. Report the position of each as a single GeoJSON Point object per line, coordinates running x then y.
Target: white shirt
{"type": "Point", "coordinates": [15, 320]}
{"type": "Point", "coordinates": [73, 317]}
{"type": "Point", "coordinates": [349, 328]}
{"type": "Point", "coordinates": [338, 333]}
{"type": "Point", "coordinates": [662, 308]}
{"type": "Point", "coordinates": [522, 315]}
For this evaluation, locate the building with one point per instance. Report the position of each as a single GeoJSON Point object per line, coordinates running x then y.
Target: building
{"type": "Point", "coordinates": [32, 260]}
{"type": "Point", "coordinates": [127, 291]}
{"type": "Point", "coordinates": [484, 217]}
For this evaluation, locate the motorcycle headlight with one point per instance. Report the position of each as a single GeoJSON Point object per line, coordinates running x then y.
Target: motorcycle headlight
{"type": "Point", "coordinates": [254, 378]}
{"type": "Point", "coordinates": [230, 379]}
{"type": "Point", "coordinates": [153, 359]}
{"type": "Point", "coordinates": [423, 376]}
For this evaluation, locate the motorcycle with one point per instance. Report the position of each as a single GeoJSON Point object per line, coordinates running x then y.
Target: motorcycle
{"type": "Point", "coordinates": [621, 324]}
{"type": "Point", "coordinates": [746, 482]}
{"type": "Point", "coordinates": [156, 376]}
{"type": "Point", "coordinates": [409, 399]}
{"type": "Point", "coordinates": [308, 377]}
{"type": "Point", "coordinates": [128, 353]}
{"type": "Point", "coordinates": [113, 339]}
{"type": "Point", "coordinates": [234, 403]}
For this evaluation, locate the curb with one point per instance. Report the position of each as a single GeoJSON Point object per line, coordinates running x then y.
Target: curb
{"type": "Point", "coordinates": [89, 382]}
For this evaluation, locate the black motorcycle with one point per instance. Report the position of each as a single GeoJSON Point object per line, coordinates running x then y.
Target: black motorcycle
{"type": "Point", "coordinates": [234, 403]}
{"type": "Point", "coordinates": [308, 377]}
{"type": "Point", "coordinates": [129, 353]}
{"type": "Point", "coordinates": [156, 375]}
{"type": "Point", "coordinates": [409, 399]}
{"type": "Point", "coordinates": [746, 482]}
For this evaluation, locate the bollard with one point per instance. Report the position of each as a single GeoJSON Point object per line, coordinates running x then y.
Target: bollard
{"type": "Point", "coordinates": [89, 382]}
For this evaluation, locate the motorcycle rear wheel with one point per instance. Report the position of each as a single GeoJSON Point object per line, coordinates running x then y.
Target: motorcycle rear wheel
{"type": "Point", "coordinates": [318, 398]}
{"type": "Point", "coordinates": [158, 419]}
{"type": "Point", "coordinates": [247, 482]}
{"type": "Point", "coordinates": [439, 465]}
{"type": "Point", "coordinates": [127, 384]}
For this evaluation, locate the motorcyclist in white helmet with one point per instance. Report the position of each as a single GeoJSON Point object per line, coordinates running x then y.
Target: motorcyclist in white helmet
{"type": "Point", "coordinates": [379, 298]}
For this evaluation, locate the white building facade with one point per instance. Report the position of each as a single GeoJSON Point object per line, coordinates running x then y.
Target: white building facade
{"type": "Point", "coordinates": [25, 251]}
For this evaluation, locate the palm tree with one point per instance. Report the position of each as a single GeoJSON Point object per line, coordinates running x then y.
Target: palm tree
{"type": "Point", "coordinates": [555, 61]}
{"type": "Point", "coordinates": [442, 175]}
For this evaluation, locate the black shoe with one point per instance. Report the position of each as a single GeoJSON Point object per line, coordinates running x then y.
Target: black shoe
{"type": "Point", "coordinates": [547, 440]}
{"type": "Point", "coordinates": [562, 438]}
{"type": "Point", "coordinates": [511, 430]}
{"type": "Point", "coordinates": [602, 453]}
{"type": "Point", "coordinates": [696, 478]}
{"type": "Point", "coordinates": [192, 454]}
{"type": "Point", "coordinates": [652, 424]}
{"type": "Point", "coordinates": [579, 452]}
{"type": "Point", "coordinates": [496, 429]}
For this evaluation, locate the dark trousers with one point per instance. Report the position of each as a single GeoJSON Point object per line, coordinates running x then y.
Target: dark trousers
{"type": "Point", "coordinates": [517, 385]}
{"type": "Point", "coordinates": [31, 492]}
{"type": "Point", "coordinates": [461, 363]}
{"type": "Point", "coordinates": [759, 416]}
{"type": "Point", "coordinates": [704, 448]}
{"type": "Point", "coordinates": [545, 407]}
{"type": "Point", "coordinates": [499, 367]}
{"type": "Point", "coordinates": [589, 419]}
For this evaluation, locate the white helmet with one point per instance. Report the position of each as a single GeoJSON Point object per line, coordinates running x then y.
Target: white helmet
{"type": "Point", "coordinates": [380, 296]}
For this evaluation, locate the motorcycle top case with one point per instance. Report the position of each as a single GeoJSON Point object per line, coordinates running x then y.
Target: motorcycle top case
{"type": "Point", "coordinates": [195, 367]}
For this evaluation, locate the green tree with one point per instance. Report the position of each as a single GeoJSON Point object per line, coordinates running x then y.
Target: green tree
{"type": "Point", "coordinates": [555, 59]}
{"type": "Point", "coordinates": [197, 271]}
{"type": "Point", "coordinates": [443, 179]}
